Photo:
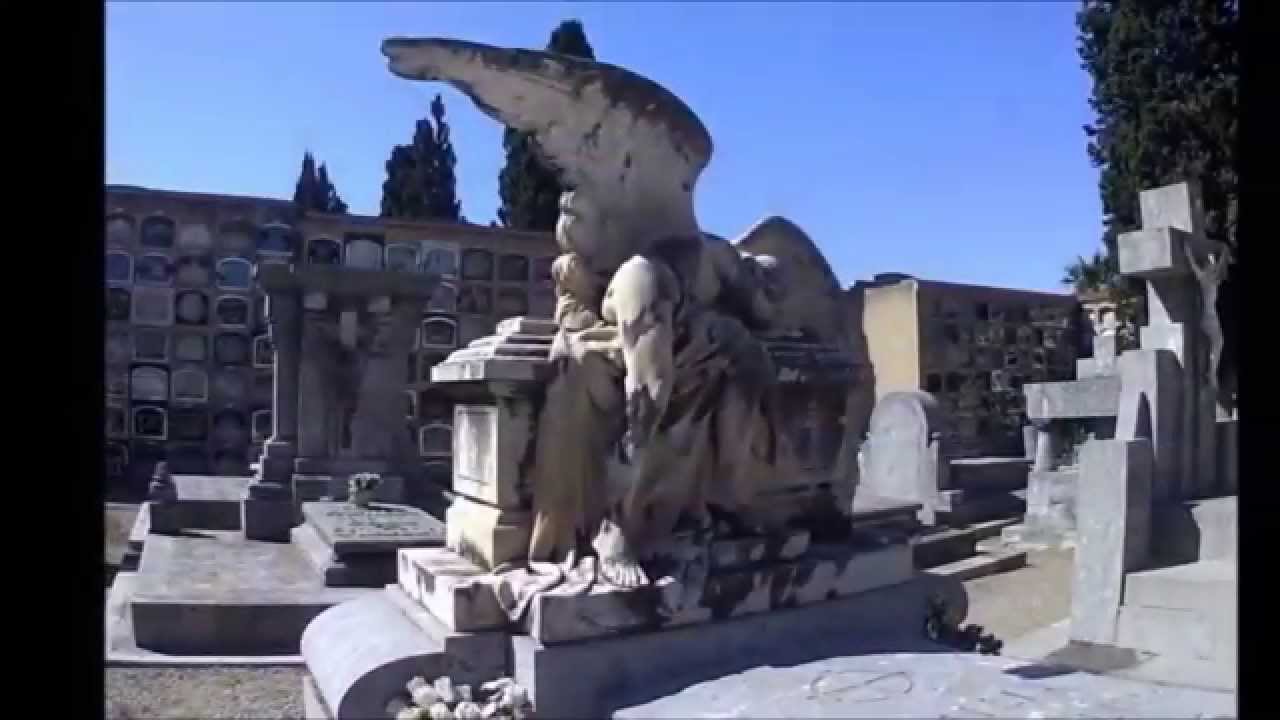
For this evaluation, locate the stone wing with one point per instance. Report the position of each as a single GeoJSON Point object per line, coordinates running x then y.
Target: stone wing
{"type": "Point", "coordinates": [812, 301]}
{"type": "Point", "coordinates": [604, 127]}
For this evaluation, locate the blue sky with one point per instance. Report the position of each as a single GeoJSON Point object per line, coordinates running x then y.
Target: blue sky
{"type": "Point", "coordinates": [938, 139]}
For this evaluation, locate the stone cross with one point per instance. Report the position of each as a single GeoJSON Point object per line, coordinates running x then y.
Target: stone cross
{"type": "Point", "coordinates": [1172, 232]}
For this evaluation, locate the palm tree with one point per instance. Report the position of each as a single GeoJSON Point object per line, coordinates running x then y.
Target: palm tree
{"type": "Point", "coordinates": [1100, 272]}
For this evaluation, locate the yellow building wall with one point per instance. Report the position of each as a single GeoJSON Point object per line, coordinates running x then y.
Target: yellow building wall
{"type": "Point", "coordinates": [890, 321]}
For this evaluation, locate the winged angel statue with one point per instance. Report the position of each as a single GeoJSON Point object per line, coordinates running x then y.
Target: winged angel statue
{"type": "Point", "coordinates": [659, 420]}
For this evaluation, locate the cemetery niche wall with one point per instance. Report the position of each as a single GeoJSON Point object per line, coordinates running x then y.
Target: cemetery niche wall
{"type": "Point", "coordinates": [186, 299]}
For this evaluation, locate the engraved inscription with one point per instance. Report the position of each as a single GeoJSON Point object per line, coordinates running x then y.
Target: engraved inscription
{"type": "Point", "coordinates": [475, 450]}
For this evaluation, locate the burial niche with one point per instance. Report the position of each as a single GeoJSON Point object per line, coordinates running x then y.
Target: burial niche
{"type": "Point", "coordinates": [189, 385]}
{"type": "Point", "coordinates": [324, 251]}
{"type": "Point", "coordinates": [193, 271]}
{"type": "Point", "coordinates": [513, 269]}
{"type": "Point", "coordinates": [119, 347]}
{"type": "Point", "coordinates": [195, 239]}
{"type": "Point", "coordinates": [235, 237]}
{"type": "Point", "coordinates": [260, 421]}
{"type": "Point", "coordinates": [153, 269]}
{"type": "Point", "coordinates": [232, 311]}
{"type": "Point", "coordinates": [402, 257]}
{"type": "Point", "coordinates": [277, 239]}
{"type": "Point", "coordinates": [231, 349]}
{"type": "Point", "coordinates": [542, 269]}
{"type": "Point", "coordinates": [263, 352]}
{"type": "Point", "coordinates": [149, 383]}
{"type": "Point", "coordinates": [363, 251]}
{"type": "Point", "coordinates": [234, 274]}
{"type": "Point", "coordinates": [150, 345]}
{"type": "Point", "coordinates": [189, 424]}
{"type": "Point", "coordinates": [444, 298]}
{"type": "Point", "coordinates": [475, 299]}
{"type": "Point", "coordinates": [230, 428]}
{"type": "Point", "coordinates": [117, 422]}
{"type": "Point", "coordinates": [229, 386]}
{"type": "Point", "coordinates": [477, 264]}
{"type": "Point", "coordinates": [192, 308]}
{"type": "Point", "coordinates": [511, 302]}
{"type": "Point", "coordinates": [439, 332]}
{"type": "Point", "coordinates": [190, 347]}
{"type": "Point", "coordinates": [119, 229]}
{"type": "Point", "coordinates": [152, 306]}
{"type": "Point", "coordinates": [119, 268]}
{"type": "Point", "coordinates": [157, 232]}
{"type": "Point", "coordinates": [119, 304]}
{"type": "Point", "coordinates": [435, 440]}
{"type": "Point", "coordinates": [150, 423]}
{"type": "Point", "coordinates": [439, 260]}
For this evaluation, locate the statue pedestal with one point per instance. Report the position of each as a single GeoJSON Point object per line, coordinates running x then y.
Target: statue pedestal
{"type": "Point", "coordinates": [498, 380]}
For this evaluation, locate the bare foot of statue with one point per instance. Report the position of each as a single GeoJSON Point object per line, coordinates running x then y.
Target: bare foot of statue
{"type": "Point", "coordinates": [618, 565]}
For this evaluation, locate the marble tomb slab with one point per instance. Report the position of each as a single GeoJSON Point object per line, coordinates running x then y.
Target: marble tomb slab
{"type": "Point", "coordinates": [379, 528]}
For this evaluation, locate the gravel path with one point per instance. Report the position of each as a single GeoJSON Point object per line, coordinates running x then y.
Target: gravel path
{"type": "Point", "coordinates": [1014, 603]}
{"type": "Point", "coordinates": [185, 693]}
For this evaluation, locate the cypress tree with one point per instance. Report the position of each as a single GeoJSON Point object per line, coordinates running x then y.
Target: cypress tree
{"type": "Point", "coordinates": [1165, 94]}
{"type": "Point", "coordinates": [314, 191]}
{"type": "Point", "coordinates": [420, 180]}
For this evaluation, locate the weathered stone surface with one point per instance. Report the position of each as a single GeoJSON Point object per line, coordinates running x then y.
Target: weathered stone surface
{"type": "Point", "coordinates": [490, 444]}
{"type": "Point", "coordinates": [368, 570]}
{"type": "Point", "coordinates": [362, 653]}
{"type": "Point", "coordinates": [1153, 252]}
{"type": "Point", "coordinates": [564, 614]}
{"type": "Point", "coordinates": [1091, 397]}
{"type": "Point", "coordinates": [903, 457]}
{"type": "Point", "coordinates": [458, 592]}
{"type": "Point", "coordinates": [1114, 516]}
{"type": "Point", "coordinates": [487, 535]}
{"type": "Point", "coordinates": [266, 520]}
{"type": "Point", "coordinates": [217, 594]}
{"type": "Point", "coordinates": [479, 655]}
{"type": "Point", "coordinates": [942, 685]}
{"type": "Point", "coordinates": [378, 528]}
{"type": "Point", "coordinates": [1051, 500]}
{"type": "Point", "coordinates": [508, 369]}
{"type": "Point", "coordinates": [590, 679]}
{"type": "Point", "coordinates": [1149, 408]}
{"type": "Point", "coordinates": [525, 325]}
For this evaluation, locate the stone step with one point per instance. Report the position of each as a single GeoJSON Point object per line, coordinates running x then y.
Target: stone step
{"type": "Point", "coordinates": [943, 546]}
{"type": "Point", "coordinates": [1208, 586]}
{"type": "Point", "coordinates": [982, 565]}
{"type": "Point", "coordinates": [1196, 530]}
{"type": "Point", "coordinates": [990, 473]}
{"type": "Point", "coordinates": [975, 507]}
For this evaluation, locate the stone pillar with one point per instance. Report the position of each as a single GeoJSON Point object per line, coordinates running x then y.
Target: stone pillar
{"type": "Point", "coordinates": [1046, 446]}
{"type": "Point", "coordinates": [313, 417]}
{"type": "Point", "coordinates": [266, 512]}
{"type": "Point", "coordinates": [490, 522]}
{"type": "Point", "coordinates": [283, 318]}
{"type": "Point", "coordinates": [1173, 224]}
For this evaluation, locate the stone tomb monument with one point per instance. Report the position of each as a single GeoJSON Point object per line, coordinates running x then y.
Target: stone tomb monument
{"type": "Point", "coordinates": [342, 337]}
{"type": "Point", "coordinates": [1155, 565]}
{"type": "Point", "coordinates": [618, 468]}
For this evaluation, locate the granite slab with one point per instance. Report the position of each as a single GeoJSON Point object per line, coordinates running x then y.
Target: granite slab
{"type": "Point", "coordinates": [378, 528]}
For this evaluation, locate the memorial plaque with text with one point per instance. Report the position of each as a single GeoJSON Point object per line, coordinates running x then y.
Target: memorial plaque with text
{"type": "Point", "coordinates": [378, 528]}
